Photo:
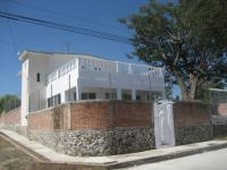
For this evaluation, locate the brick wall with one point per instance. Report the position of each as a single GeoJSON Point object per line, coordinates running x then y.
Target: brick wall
{"type": "Point", "coordinates": [191, 114]}
{"type": "Point", "coordinates": [132, 114]}
{"type": "Point", "coordinates": [104, 128]}
{"type": "Point", "coordinates": [192, 122]}
{"type": "Point", "coordinates": [50, 119]}
{"type": "Point", "coordinates": [92, 115]}
{"type": "Point", "coordinates": [12, 117]}
{"type": "Point", "coordinates": [104, 115]}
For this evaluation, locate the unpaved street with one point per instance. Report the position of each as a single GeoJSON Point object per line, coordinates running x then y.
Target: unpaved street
{"type": "Point", "coordinates": [12, 158]}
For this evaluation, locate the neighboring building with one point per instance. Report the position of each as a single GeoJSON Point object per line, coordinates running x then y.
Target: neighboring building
{"type": "Point", "coordinates": [49, 79]}
{"type": "Point", "coordinates": [216, 95]}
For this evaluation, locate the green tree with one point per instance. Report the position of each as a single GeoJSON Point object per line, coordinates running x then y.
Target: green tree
{"type": "Point", "coordinates": [188, 38]}
{"type": "Point", "coordinates": [8, 102]}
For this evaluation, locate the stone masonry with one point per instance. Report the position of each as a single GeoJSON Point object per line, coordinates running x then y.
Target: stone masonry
{"type": "Point", "coordinates": [92, 128]}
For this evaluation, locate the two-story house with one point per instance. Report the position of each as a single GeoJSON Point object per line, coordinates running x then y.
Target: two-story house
{"type": "Point", "coordinates": [49, 79]}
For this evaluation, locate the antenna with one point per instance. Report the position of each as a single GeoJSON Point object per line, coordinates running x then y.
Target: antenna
{"type": "Point", "coordinates": [68, 45]}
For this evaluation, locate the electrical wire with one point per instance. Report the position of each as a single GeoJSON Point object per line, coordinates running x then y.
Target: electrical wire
{"type": "Point", "coordinates": [85, 20]}
{"type": "Point", "coordinates": [64, 27]}
{"type": "Point", "coordinates": [12, 33]}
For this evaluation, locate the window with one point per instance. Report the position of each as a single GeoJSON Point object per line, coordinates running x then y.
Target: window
{"type": "Point", "coordinates": [50, 102]}
{"type": "Point", "coordinates": [107, 96]}
{"type": "Point", "coordinates": [127, 97]}
{"type": "Point", "coordinates": [85, 96]}
{"type": "Point", "coordinates": [92, 96]}
{"type": "Point", "coordinates": [110, 96]}
{"type": "Point", "coordinates": [138, 97]}
{"type": "Point", "coordinates": [53, 101]}
{"type": "Point", "coordinates": [38, 77]}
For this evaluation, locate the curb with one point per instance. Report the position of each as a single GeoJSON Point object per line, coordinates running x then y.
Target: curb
{"type": "Point", "coordinates": [117, 161]}
{"type": "Point", "coordinates": [165, 157]}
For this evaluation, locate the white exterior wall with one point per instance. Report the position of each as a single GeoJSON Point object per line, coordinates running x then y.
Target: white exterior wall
{"type": "Point", "coordinates": [98, 75]}
{"type": "Point", "coordinates": [66, 74]}
{"type": "Point", "coordinates": [24, 92]}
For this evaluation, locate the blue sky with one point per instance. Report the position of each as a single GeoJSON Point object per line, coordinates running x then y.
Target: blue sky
{"type": "Point", "coordinates": [99, 15]}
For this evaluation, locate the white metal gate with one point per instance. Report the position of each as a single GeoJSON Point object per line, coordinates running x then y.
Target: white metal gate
{"type": "Point", "coordinates": [164, 124]}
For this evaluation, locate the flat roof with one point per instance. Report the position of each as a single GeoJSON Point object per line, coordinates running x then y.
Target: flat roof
{"type": "Point", "coordinates": [25, 54]}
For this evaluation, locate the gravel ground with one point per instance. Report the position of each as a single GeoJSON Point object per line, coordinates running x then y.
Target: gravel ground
{"type": "Point", "coordinates": [12, 158]}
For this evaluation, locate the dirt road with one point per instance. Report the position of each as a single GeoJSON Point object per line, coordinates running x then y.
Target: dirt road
{"type": "Point", "coordinates": [12, 158]}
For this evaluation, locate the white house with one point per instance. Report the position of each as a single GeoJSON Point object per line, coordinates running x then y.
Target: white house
{"type": "Point", "coordinates": [49, 79]}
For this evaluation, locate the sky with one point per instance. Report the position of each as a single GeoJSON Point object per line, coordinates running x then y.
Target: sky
{"type": "Point", "coordinates": [97, 15]}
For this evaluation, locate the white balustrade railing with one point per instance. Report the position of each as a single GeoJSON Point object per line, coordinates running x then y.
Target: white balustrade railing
{"type": "Point", "coordinates": [95, 65]}
{"type": "Point", "coordinates": [71, 65]}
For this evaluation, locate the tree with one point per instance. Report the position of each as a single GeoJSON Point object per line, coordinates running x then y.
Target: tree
{"type": "Point", "coordinates": [188, 38]}
{"type": "Point", "coordinates": [9, 102]}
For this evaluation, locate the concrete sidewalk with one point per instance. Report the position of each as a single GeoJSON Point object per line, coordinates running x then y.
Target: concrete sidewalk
{"type": "Point", "coordinates": [46, 155]}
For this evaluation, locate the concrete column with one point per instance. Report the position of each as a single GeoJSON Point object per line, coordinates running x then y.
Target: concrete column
{"type": "Point", "coordinates": [119, 94]}
{"type": "Point", "coordinates": [63, 97]}
{"type": "Point", "coordinates": [78, 93]}
{"type": "Point", "coordinates": [133, 94]}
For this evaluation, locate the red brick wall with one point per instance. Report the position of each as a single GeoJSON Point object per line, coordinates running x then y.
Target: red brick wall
{"type": "Point", "coordinates": [90, 115]}
{"type": "Point", "coordinates": [187, 113]}
{"type": "Point", "coordinates": [11, 117]}
{"type": "Point", "coordinates": [104, 115]}
{"type": "Point", "coordinates": [132, 114]}
{"type": "Point", "coordinates": [53, 118]}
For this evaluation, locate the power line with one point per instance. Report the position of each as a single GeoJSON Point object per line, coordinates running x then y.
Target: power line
{"type": "Point", "coordinates": [63, 14]}
{"type": "Point", "coordinates": [64, 27]}
{"type": "Point", "coordinates": [12, 35]}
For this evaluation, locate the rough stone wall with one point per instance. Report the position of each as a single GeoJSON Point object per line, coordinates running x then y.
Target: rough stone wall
{"type": "Point", "coordinates": [192, 122]}
{"type": "Point", "coordinates": [94, 128]}
{"type": "Point", "coordinates": [193, 134]}
{"type": "Point", "coordinates": [97, 142]}
{"type": "Point", "coordinates": [116, 127]}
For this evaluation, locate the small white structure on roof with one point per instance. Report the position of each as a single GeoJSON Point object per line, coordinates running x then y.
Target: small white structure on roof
{"type": "Point", "coordinates": [49, 79]}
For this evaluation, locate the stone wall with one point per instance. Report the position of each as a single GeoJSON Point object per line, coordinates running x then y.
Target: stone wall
{"type": "Point", "coordinates": [94, 128]}
{"type": "Point", "coordinates": [113, 127]}
{"type": "Point", "coordinates": [192, 122]}
{"type": "Point", "coordinates": [97, 142]}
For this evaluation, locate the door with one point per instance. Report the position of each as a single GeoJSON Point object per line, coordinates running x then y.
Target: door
{"type": "Point", "coordinates": [164, 124]}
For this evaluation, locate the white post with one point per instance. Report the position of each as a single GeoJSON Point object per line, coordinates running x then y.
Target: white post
{"type": "Point", "coordinates": [133, 94]}
{"type": "Point", "coordinates": [78, 92]}
{"type": "Point", "coordinates": [63, 97]}
{"type": "Point", "coordinates": [119, 95]}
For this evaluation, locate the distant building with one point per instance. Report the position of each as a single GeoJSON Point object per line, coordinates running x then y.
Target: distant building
{"type": "Point", "coordinates": [217, 95]}
{"type": "Point", "coordinates": [49, 79]}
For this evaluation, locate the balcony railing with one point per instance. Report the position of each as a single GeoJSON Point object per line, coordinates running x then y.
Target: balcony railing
{"type": "Point", "coordinates": [61, 71]}
{"type": "Point", "coordinates": [105, 66]}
